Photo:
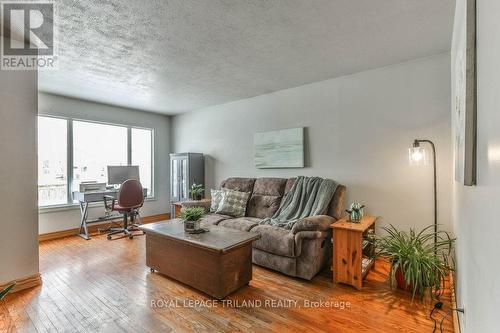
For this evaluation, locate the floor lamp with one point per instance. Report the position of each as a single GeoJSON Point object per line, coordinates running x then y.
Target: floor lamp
{"type": "Point", "coordinates": [418, 157]}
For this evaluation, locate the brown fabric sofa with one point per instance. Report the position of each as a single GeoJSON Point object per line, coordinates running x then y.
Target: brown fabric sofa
{"type": "Point", "coordinates": [302, 251]}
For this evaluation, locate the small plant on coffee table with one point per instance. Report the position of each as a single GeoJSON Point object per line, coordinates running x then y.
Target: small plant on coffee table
{"type": "Point", "coordinates": [192, 213]}
{"type": "Point", "coordinates": [191, 217]}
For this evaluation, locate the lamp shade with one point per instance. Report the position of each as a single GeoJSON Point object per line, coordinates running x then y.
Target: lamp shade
{"type": "Point", "coordinates": [417, 156]}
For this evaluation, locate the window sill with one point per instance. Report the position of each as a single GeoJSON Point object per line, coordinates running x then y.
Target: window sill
{"type": "Point", "coordinates": [75, 206]}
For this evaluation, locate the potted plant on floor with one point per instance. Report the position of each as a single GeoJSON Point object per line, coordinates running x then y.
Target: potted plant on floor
{"type": "Point", "coordinates": [191, 217]}
{"type": "Point", "coordinates": [197, 191]}
{"type": "Point", "coordinates": [5, 291]}
{"type": "Point", "coordinates": [417, 263]}
{"type": "Point", "coordinates": [3, 307]}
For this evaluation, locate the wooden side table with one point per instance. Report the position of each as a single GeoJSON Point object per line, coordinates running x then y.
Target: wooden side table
{"type": "Point", "coordinates": [352, 250]}
{"type": "Point", "coordinates": [177, 206]}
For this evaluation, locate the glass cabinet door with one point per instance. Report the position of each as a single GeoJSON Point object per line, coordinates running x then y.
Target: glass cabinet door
{"type": "Point", "coordinates": [179, 177]}
{"type": "Point", "coordinates": [184, 180]}
{"type": "Point", "coordinates": [174, 181]}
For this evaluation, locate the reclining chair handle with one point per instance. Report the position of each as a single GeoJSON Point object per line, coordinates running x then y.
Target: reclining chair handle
{"type": "Point", "coordinates": [113, 200]}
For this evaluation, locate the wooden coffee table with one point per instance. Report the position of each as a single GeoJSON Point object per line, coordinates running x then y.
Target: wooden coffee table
{"type": "Point", "coordinates": [217, 262]}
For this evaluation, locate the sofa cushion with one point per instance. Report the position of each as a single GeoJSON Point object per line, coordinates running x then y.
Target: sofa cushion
{"type": "Point", "coordinates": [289, 184]}
{"type": "Point", "coordinates": [216, 198]}
{"type": "Point", "coordinates": [213, 219]}
{"type": "Point", "coordinates": [269, 186]}
{"type": "Point", "coordinates": [266, 197]}
{"type": "Point", "coordinates": [275, 240]}
{"type": "Point", "coordinates": [233, 203]}
{"type": "Point", "coordinates": [239, 184]}
{"type": "Point", "coordinates": [262, 206]}
{"type": "Point", "coordinates": [240, 223]}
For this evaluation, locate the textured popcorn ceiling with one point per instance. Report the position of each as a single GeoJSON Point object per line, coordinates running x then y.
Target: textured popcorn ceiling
{"type": "Point", "coordinates": [173, 56]}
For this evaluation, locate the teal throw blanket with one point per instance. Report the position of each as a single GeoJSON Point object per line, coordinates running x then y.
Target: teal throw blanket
{"type": "Point", "coordinates": [309, 196]}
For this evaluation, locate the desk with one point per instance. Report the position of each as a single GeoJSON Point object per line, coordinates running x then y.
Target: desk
{"type": "Point", "coordinates": [84, 198]}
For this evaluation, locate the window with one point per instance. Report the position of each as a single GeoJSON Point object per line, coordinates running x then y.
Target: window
{"type": "Point", "coordinates": [142, 152]}
{"type": "Point", "coordinates": [91, 148]}
{"type": "Point", "coordinates": [95, 146]}
{"type": "Point", "coordinates": [52, 161]}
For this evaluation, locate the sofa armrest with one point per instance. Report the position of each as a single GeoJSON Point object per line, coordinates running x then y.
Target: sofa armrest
{"type": "Point", "coordinates": [301, 236]}
{"type": "Point", "coordinates": [313, 223]}
{"type": "Point", "coordinates": [310, 235]}
{"type": "Point", "coordinates": [193, 203]}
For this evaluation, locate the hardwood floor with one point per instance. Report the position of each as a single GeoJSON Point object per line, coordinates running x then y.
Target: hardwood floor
{"type": "Point", "coordinates": [102, 285]}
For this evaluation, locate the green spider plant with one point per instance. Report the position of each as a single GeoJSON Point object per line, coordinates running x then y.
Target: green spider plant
{"type": "Point", "coordinates": [423, 264]}
{"type": "Point", "coordinates": [4, 292]}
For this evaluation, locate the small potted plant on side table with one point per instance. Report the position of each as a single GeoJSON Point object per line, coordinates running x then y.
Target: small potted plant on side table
{"type": "Point", "coordinates": [417, 263]}
{"type": "Point", "coordinates": [197, 191]}
{"type": "Point", "coordinates": [191, 217]}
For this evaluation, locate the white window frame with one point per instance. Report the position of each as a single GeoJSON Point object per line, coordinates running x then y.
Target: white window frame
{"type": "Point", "coordinates": [69, 155]}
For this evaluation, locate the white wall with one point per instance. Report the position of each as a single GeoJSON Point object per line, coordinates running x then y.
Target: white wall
{"type": "Point", "coordinates": [359, 129]}
{"type": "Point", "coordinates": [18, 175]}
{"type": "Point", "coordinates": [475, 209]}
{"type": "Point", "coordinates": [51, 221]}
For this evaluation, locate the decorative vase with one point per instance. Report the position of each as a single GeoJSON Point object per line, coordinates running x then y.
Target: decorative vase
{"type": "Point", "coordinates": [356, 212]}
{"type": "Point", "coordinates": [191, 225]}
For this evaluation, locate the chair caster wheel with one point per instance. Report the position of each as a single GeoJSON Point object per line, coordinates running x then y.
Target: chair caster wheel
{"type": "Point", "coordinates": [109, 237]}
{"type": "Point", "coordinates": [152, 270]}
{"type": "Point", "coordinates": [130, 237]}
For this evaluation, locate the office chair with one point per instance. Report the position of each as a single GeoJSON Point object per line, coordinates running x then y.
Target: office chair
{"type": "Point", "coordinates": [130, 199]}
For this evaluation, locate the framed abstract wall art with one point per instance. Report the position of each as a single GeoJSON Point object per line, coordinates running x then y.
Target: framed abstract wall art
{"type": "Point", "coordinates": [279, 149]}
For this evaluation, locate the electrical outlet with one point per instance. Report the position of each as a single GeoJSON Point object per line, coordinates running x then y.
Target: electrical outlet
{"type": "Point", "coordinates": [462, 316]}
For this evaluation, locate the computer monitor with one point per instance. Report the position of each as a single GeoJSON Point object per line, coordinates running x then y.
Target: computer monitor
{"type": "Point", "coordinates": [117, 175]}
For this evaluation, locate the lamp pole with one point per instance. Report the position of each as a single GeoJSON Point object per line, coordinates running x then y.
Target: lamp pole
{"type": "Point", "coordinates": [417, 143]}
